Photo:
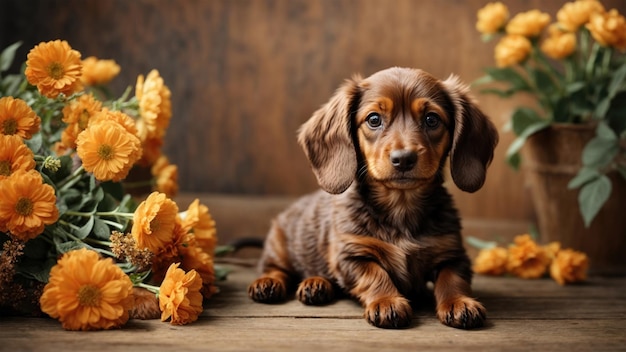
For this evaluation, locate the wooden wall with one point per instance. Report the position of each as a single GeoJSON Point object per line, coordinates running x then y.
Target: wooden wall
{"type": "Point", "coordinates": [245, 74]}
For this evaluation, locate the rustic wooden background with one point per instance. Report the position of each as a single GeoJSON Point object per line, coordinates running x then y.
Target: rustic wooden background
{"type": "Point", "coordinates": [245, 74]}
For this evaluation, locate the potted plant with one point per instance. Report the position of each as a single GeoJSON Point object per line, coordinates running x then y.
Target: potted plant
{"type": "Point", "coordinates": [573, 141]}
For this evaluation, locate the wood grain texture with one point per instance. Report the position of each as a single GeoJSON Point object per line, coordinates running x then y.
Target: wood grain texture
{"type": "Point", "coordinates": [245, 74]}
{"type": "Point", "coordinates": [523, 316]}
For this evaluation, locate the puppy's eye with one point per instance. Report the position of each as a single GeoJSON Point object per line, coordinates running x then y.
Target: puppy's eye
{"type": "Point", "coordinates": [432, 120]}
{"type": "Point", "coordinates": [374, 120]}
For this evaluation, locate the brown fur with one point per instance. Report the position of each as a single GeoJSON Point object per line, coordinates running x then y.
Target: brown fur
{"type": "Point", "coordinates": [378, 231]}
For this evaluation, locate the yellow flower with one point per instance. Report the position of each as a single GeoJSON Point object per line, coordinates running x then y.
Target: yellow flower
{"type": "Point", "coordinates": [528, 24]}
{"type": "Point", "coordinates": [492, 17]}
{"type": "Point", "coordinates": [27, 205]}
{"type": "Point", "coordinates": [512, 50]}
{"type": "Point", "coordinates": [125, 121]}
{"type": "Point", "coordinates": [87, 293]}
{"type": "Point", "coordinates": [98, 72]}
{"type": "Point", "coordinates": [107, 150]}
{"type": "Point", "coordinates": [609, 29]}
{"type": "Point", "coordinates": [155, 106]}
{"type": "Point", "coordinates": [569, 266]}
{"type": "Point", "coordinates": [180, 299]}
{"type": "Point", "coordinates": [54, 67]}
{"type": "Point", "coordinates": [198, 220]}
{"type": "Point", "coordinates": [76, 115]}
{"type": "Point", "coordinates": [559, 44]}
{"type": "Point", "coordinates": [154, 221]}
{"type": "Point", "coordinates": [526, 259]}
{"type": "Point", "coordinates": [574, 14]}
{"type": "Point", "coordinates": [166, 176]}
{"type": "Point", "coordinates": [14, 155]}
{"type": "Point", "coordinates": [17, 118]}
{"type": "Point", "coordinates": [491, 261]}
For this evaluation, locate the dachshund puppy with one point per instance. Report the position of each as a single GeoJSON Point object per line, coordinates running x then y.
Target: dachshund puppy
{"type": "Point", "coordinates": [383, 225]}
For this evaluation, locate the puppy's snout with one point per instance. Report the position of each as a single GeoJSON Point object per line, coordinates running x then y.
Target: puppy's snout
{"type": "Point", "coordinates": [402, 159]}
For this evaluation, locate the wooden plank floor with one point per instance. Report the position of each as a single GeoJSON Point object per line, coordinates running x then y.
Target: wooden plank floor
{"type": "Point", "coordinates": [536, 315]}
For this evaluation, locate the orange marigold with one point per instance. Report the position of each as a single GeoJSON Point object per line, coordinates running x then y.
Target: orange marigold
{"type": "Point", "coordinates": [14, 155]}
{"type": "Point", "coordinates": [154, 221]}
{"type": "Point", "coordinates": [528, 24]}
{"type": "Point", "coordinates": [609, 29]}
{"type": "Point", "coordinates": [27, 205]}
{"type": "Point", "coordinates": [492, 17]}
{"type": "Point", "coordinates": [17, 118]}
{"type": "Point", "coordinates": [512, 50]}
{"type": "Point", "coordinates": [155, 106]}
{"type": "Point", "coordinates": [151, 149]}
{"type": "Point", "coordinates": [108, 150]}
{"type": "Point", "coordinates": [569, 266]}
{"type": "Point", "coordinates": [180, 299]}
{"type": "Point", "coordinates": [166, 175]}
{"type": "Point", "coordinates": [54, 67]}
{"type": "Point", "coordinates": [197, 259]}
{"type": "Point", "coordinates": [98, 72]}
{"type": "Point", "coordinates": [527, 259]}
{"type": "Point", "coordinates": [491, 261]}
{"type": "Point", "coordinates": [576, 13]}
{"type": "Point", "coordinates": [86, 292]}
{"type": "Point", "coordinates": [558, 44]}
{"type": "Point", "coordinates": [198, 220]}
{"type": "Point", "coordinates": [77, 115]}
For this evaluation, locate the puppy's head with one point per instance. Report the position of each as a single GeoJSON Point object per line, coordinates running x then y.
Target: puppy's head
{"type": "Point", "coordinates": [399, 125]}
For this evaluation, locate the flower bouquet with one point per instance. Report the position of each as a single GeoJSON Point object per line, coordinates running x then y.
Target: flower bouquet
{"type": "Point", "coordinates": [575, 70]}
{"type": "Point", "coordinates": [75, 244]}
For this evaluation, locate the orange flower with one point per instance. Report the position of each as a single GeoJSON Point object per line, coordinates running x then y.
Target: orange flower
{"type": "Point", "coordinates": [151, 149]}
{"type": "Point", "coordinates": [54, 67]}
{"type": "Point", "coordinates": [528, 24]}
{"type": "Point", "coordinates": [552, 249]}
{"type": "Point", "coordinates": [98, 72]}
{"type": "Point", "coordinates": [526, 259]}
{"type": "Point", "coordinates": [166, 176]}
{"type": "Point", "coordinates": [574, 14]}
{"type": "Point", "coordinates": [108, 150]}
{"type": "Point", "coordinates": [17, 118]}
{"type": "Point", "coordinates": [491, 261]}
{"type": "Point", "coordinates": [155, 106]}
{"type": "Point", "coordinates": [492, 17]}
{"type": "Point", "coordinates": [569, 266]}
{"type": "Point", "coordinates": [179, 296]}
{"type": "Point", "coordinates": [198, 220]}
{"type": "Point", "coordinates": [154, 221]}
{"type": "Point", "coordinates": [87, 293]}
{"type": "Point", "coordinates": [26, 205]}
{"type": "Point", "coordinates": [14, 155]}
{"type": "Point", "coordinates": [511, 50]}
{"type": "Point", "coordinates": [125, 121]}
{"type": "Point", "coordinates": [609, 29]}
{"type": "Point", "coordinates": [558, 44]}
{"type": "Point", "coordinates": [197, 259]}
{"type": "Point", "coordinates": [77, 115]}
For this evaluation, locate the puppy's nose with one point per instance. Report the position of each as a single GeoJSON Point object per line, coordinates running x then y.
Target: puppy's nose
{"type": "Point", "coordinates": [403, 160]}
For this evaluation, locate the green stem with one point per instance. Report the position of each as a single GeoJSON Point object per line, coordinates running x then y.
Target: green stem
{"type": "Point", "coordinates": [100, 213]}
{"type": "Point", "coordinates": [150, 288]}
{"type": "Point", "coordinates": [589, 69]}
{"type": "Point", "coordinates": [71, 179]}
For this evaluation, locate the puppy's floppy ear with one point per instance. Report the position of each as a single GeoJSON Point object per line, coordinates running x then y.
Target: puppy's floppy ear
{"type": "Point", "coordinates": [327, 141]}
{"type": "Point", "coordinates": [475, 138]}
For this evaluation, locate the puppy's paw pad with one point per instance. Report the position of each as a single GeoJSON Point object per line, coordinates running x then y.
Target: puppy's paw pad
{"type": "Point", "coordinates": [315, 291]}
{"type": "Point", "coordinates": [389, 313]}
{"type": "Point", "coordinates": [267, 290]}
{"type": "Point", "coordinates": [462, 313]}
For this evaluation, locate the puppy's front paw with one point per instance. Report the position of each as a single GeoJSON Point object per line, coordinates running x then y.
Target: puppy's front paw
{"type": "Point", "coordinates": [267, 290]}
{"type": "Point", "coordinates": [462, 313]}
{"type": "Point", "coordinates": [315, 291]}
{"type": "Point", "coordinates": [389, 313]}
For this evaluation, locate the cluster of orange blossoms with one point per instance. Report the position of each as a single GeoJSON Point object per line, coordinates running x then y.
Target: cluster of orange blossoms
{"type": "Point", "coordinates": [86, 291]}
{"type": "Point", "coordinates": [607, 27]}
{"type": "Point", "coordinates": [528, 260]}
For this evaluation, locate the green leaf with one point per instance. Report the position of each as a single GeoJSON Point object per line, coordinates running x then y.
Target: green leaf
{"type": "Point", "coordinates": [602, 149]}
{"type": "Point", "coordinates": [64, 247]}
{"type": "Point", "coordinates": [584, 175]}
{"type": "Point", "coordinates": [617, 80]}
{"type": "Point", "coordinates": [8, 55]}
{"type": "Point", "coordinates": [509, 75]}
{"type": "Point", "coordinates": [523, 118]}
{"type": "Point", "coordinates": [34, 143]}
{"type": "Point", "coordinates": [84, 231]}
{"type": "Point", "coordinates": [605, 132]}
{"type": "Point", "coordinates": [101, 230]}
{"type": "Point", "coordinates": [592, 197]}
{"type": "Point", "coordinates": [480, 243]}
{"type": "Point", "coordinates": [574, 87]}
{"type": "Point", "coordinates": [512, 155]}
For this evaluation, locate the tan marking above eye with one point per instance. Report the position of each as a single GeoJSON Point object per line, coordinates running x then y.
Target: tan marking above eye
{"type": "Point", "coordinates": [422, 106]}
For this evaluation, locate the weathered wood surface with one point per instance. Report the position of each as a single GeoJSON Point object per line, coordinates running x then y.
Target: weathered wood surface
{"type": "Point", "coordinates": [537, 315]}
